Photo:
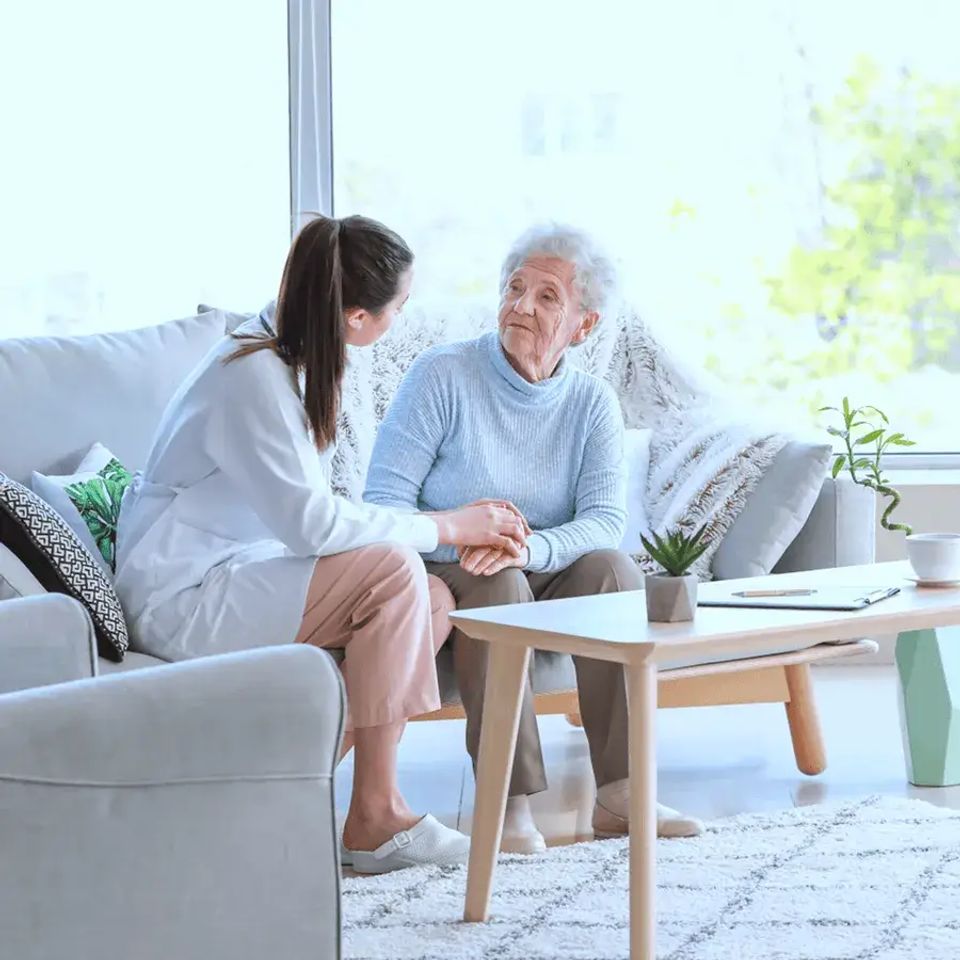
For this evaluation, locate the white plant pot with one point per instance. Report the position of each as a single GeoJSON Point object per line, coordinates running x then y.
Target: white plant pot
{"type": "Point", "coordinates": [857, 514]}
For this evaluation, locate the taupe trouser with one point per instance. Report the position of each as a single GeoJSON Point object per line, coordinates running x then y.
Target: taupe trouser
{"type": "Point", "coordinates": [603, 696]}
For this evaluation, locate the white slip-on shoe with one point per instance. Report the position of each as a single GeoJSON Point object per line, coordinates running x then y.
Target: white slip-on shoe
{"type": "Point", "coordinates": [426, 843]}
{"type": "Point", "coordinates": [527, 843]}
{"type": "Point", "coordinates": [520, 833]}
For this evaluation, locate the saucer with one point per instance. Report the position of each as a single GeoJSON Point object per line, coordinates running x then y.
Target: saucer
{"type": "Point", "coordinates": [935, 583]}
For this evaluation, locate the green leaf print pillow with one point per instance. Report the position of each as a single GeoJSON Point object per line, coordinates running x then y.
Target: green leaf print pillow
{"type": "Point", "coordinates": [89, 500]}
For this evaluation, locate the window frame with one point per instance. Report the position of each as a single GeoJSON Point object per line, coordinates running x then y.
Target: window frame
{"type": "Point", "coordinates": [311, 109]}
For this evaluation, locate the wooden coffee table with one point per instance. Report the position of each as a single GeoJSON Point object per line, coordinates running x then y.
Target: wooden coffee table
{"type": "Point", "coordinates": [614, 627]}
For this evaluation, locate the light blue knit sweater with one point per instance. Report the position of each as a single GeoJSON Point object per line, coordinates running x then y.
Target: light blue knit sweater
{"type": "Point", "coordinates": [465, 425]}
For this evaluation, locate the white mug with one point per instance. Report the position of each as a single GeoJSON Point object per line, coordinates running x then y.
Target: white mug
{"type": "Point", "coordinates": [935, 556]}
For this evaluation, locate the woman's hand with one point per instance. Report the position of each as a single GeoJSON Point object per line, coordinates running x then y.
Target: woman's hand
{"type": "Point", "coordinates": [487, 524]}
{"type": "Point", "coordinates": [509, 506]}
{"type": "Point", "coordinates": [486, 561]}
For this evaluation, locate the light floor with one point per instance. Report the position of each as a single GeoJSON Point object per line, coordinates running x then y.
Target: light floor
{"type": "Point", "coordinates": [713, 761]}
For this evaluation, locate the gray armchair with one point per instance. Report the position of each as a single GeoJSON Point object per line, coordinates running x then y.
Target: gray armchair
{"type": "Point", "coordinates": [178, 811]}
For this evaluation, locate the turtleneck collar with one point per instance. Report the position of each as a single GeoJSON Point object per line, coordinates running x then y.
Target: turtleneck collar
{"type": "Point", "coordinates": [541, 392]}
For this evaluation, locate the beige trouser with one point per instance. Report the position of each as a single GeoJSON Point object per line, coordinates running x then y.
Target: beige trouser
{"type": "Point", "coordinates": [391, 618]}
{"type": "Point", "coordinates": [603, 698]}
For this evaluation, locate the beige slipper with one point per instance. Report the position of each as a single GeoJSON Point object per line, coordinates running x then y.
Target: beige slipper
{"type": "Point", "coordinates": [670, 823]}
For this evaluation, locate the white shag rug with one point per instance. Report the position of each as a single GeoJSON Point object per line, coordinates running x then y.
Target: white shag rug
{"type": "Point", "coordinates": [874, 879]}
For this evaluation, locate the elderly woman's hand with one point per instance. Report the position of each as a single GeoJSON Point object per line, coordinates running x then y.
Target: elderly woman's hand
{"type": "Point", "coordinates": [486, 561]}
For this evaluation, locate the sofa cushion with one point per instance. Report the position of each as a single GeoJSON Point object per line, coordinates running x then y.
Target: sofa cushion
{"type": "Point", "coordinates": [70, 392]}
{"type": "Point", "coordinates": [636, 453]}
{"type": "Point", "coordinates": [50, 550]}
{"type": "Point", "coordinates": [230, 319]}
{"type": "Point", "coordinates": [774, 513]}
{"type": "Point", "coordinates": [131, 661]}
{"type": "Point", "coordinates": [841, 530]}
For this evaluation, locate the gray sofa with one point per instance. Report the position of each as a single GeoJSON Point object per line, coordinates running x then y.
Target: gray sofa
{"type": "Point", "coordinates": [182, 811]}
{"type": "Point", "coordinates": [112, 388]}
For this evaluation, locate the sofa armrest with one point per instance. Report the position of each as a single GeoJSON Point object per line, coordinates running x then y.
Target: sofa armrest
{"type": "Point", "coordinates": [16, 580]}
{"type": "Point", "coordinates": [184, 810]}
{"type": "Point", "coordinates": [272, 712]}
{"type": "Point", "coordinates": [45, 639]}
{"type": "Point", "coordinates": [840, 532]}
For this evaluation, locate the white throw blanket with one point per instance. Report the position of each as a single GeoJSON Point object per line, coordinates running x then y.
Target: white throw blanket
{"type": "Point", "coordinates": [702, 464]}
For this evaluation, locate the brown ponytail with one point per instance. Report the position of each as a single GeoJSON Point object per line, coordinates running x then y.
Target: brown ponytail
{"type": "Point", "coordinates": [333, 265]}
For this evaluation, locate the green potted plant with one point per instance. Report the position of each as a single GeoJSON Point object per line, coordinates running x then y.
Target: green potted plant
{"type": "Point", "coordinates": [878, 438]}
{"type": "Point", "coordinates": [672, 595]}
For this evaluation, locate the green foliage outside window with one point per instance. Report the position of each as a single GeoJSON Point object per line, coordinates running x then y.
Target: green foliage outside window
{"type": "Point", "coordinates": [883, 283]}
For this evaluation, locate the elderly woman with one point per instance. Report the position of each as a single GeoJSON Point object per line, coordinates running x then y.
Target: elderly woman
{"type": "Point", "coordinates": [507, 417]}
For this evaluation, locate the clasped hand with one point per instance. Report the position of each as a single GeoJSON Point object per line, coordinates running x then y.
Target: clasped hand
{"type": "Point", "coordinates": [486, 561]}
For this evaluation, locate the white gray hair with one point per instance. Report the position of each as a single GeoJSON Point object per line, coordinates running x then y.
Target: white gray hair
{"type": "Point", "coordinates": [594, 272]}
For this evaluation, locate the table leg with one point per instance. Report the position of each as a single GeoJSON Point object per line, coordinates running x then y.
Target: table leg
{"type": "Point", "coordinates": [803, 720]}
{"type": "Point", "coordinates": [503, 694]}
{"type": "Point", "coordinates": [928, 662]}
{"type": "Point", "coordinates": [642, 699]}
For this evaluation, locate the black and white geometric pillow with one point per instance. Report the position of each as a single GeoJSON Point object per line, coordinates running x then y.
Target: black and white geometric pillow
{"type": "Point", "coordinates": [44, 542]}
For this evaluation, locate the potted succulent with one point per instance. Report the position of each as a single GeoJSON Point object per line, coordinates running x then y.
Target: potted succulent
{"type": "Point", "coordinates": [672, 595]}
{"type": "Point", "coordinates": [852, 460]}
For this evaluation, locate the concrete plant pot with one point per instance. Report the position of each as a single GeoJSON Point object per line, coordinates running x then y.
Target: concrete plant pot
{"type": "Point", "coordinates": [671, 599]}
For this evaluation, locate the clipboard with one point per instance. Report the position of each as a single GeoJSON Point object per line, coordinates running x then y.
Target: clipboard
{"type": "Point", "coordinates": [827, 598]}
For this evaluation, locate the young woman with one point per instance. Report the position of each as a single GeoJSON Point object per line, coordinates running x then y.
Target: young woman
{"type": "Point", "coordinates": [231, 538]}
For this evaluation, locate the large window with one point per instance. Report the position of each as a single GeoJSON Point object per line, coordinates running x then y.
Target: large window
{"type": "Point", "coordinates": [144, 161]}
{"type": "Point", "coordinates": [781, 180]}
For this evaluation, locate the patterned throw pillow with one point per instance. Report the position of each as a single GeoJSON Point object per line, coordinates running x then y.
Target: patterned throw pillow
{"type": "Point", "coordinates": [89, 500]}
{"type": "Point", "coordinates": [52, 552]}
{"type": "Point", "coordinates": [98, 502]}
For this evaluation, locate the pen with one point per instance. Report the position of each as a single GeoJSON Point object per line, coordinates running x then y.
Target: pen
{"type": "Point", "coordinates": [774, 593]}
